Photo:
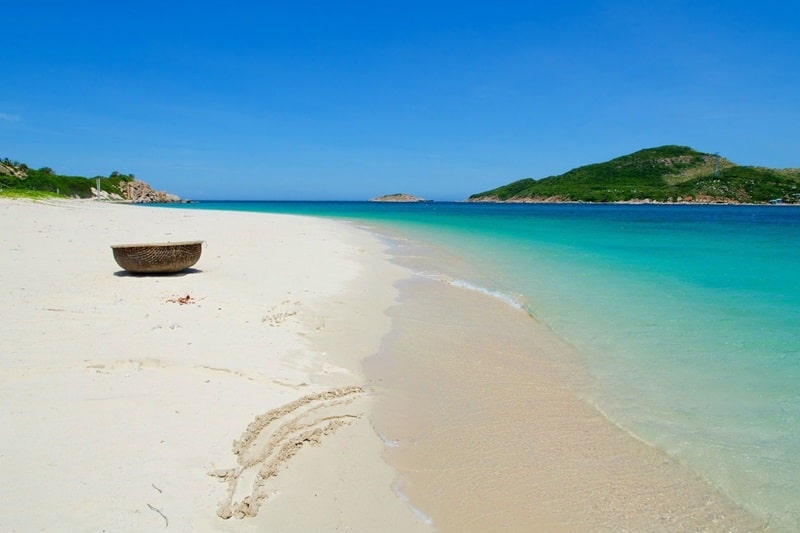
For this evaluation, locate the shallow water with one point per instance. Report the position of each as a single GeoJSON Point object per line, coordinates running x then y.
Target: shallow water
{"type": "Point", "coordinates": [687, 317]}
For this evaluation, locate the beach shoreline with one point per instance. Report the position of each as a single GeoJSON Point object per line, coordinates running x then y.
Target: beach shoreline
{"type": "Point", "coordinates": [191, 401]}
{"type": "Point", "coordinates": [489, 430]}
{"type": "Point", "coordinates": [300, 377]}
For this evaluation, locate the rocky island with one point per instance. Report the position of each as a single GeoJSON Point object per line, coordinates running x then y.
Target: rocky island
{"type": "Point", "coordinates": [398, 197]}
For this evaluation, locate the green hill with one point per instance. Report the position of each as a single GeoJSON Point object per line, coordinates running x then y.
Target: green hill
{"type": "Point", "coordinates": [17, 177]}
{"type": "Point", "coordinates": [664, 174]}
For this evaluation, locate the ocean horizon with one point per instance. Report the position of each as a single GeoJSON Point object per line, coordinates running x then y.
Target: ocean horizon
{"type": "Point", "coordinates": [687, 317]}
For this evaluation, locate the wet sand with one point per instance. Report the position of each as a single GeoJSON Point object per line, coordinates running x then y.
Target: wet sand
{"type": "Point", "coordinates": [480, 406]}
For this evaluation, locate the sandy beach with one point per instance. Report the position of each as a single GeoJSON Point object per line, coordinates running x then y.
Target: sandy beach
{"type": "Point", "coordinates": [225, 398]}
{"type": "Point", "coordinates": [298, 378]}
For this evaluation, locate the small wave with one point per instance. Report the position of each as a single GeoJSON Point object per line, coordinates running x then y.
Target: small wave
{"type": "Point", "coordinates": [390, 443]}
{"type": "Point", "coordinates": [404, 497]}
{"type": "Point", "coordinates": [517, 302]}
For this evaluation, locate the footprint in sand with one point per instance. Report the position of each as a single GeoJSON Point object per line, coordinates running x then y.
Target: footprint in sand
{"type": "Point", "coordinates": [278, 314]}
{"type": "Point", "coordinates": [274, 438]}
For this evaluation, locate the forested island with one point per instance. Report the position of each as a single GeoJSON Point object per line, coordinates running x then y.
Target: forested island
{"type": "Point", "coordinates": [676, 174]}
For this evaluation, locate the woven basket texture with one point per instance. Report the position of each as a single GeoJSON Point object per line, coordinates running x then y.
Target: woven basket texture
{"type": "Point", "coordinates": [159, 258]}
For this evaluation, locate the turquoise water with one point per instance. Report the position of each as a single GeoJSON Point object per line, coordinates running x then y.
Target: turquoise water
{"type": "Point", "coordinates": [688, 318]}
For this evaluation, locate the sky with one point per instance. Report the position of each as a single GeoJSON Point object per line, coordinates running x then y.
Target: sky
{"type": "Point", "coordinates": [351, 100]}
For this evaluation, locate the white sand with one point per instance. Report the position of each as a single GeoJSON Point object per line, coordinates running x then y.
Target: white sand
{"type": "Point", "coordinates": [116, 401]}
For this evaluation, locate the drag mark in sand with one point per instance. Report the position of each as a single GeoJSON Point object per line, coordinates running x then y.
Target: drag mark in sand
{"type": "Point", "coordinates": [274, 438]}
{"type": "Point", "coordinates": [157, 510]}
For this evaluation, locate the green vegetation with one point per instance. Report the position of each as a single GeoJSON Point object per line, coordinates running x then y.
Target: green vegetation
{"type": "Point", "coordinates": [17, 179]}
{"type": "Point", "coordinates": [663, 174]}
{"type": "Point", "coordinates": [31, 195]}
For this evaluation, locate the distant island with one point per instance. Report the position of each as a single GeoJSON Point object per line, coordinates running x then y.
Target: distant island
{"type": "Point", "coordinates": [665, 174]}
{"type": "Point", "coordinates": [668, 174]}
{"type": "Point", "coordinates": [398, 197]}
{"type": "Point", "coordinates": [18, 179]}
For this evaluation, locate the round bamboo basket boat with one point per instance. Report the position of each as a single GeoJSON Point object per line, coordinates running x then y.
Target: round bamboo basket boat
{"type": "Point", "coordinates": [157, 258]}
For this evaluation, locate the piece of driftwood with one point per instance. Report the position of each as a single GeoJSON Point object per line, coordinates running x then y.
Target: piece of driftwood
{"type": "Point", "coordinates": [157, 258]}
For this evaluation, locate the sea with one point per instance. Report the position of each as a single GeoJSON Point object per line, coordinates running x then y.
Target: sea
{"type": "Point", "coordinates": [687, 317]}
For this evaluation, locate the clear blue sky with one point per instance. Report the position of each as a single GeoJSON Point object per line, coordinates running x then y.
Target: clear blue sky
{"type": "Point", "coordinates": [349, 100]}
